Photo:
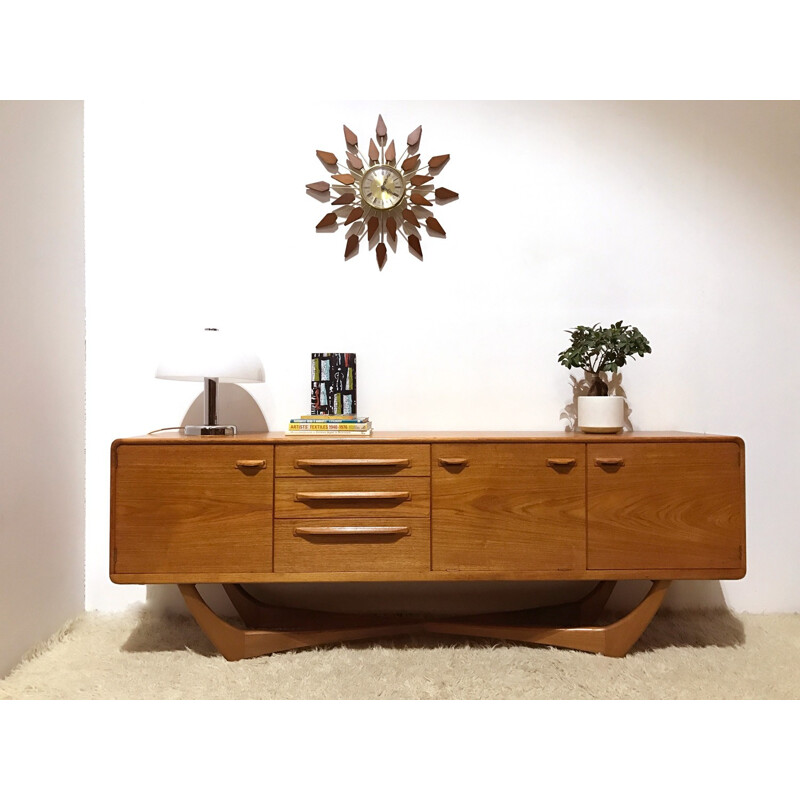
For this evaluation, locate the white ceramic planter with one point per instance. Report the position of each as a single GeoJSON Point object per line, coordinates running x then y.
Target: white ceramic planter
{"type": "Point", "coordinates": [601, 414]}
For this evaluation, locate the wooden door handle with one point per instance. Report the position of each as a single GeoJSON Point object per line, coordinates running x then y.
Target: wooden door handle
{"type": "Point", "coordinates": [352, 530]}
{"type": "Point", "coordinates": [561, 462]}
{"type": "Point", "coordinates": [453, 462]}
{"type": "Point", "coordinates": [305, 463]}
{"type": "Point", "coordinates": [306, 496]}
{"type": "Point", "coordinates": [609, 462]}
{"type": "Point", "coordinates": [251, 464]}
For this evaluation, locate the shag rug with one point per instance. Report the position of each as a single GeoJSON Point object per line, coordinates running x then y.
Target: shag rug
{"type": "Point", "coordinates": [682, 655]}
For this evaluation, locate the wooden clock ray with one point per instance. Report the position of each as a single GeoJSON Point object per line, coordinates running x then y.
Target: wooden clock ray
{"type": "Point", "coordinates": [381, 197]}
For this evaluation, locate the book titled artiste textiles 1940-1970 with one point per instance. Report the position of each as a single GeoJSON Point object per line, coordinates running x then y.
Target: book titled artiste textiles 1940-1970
{"type": "Point", "coordinates": [333, 383]}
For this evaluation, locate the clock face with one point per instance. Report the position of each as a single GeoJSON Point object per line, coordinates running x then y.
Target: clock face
{"type": "Point", "coordinates": [382, 187]}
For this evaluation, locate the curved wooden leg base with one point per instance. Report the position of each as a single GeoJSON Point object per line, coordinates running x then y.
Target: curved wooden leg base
{"type": "Point", "coordinates": [614, 640]}
{"type": "Point", "coordinates": [234, 643]}
{"type": "Point", "coordinates": [259, 615]}
{"type": "Point", "coordinates": [272, 629]}
{"type": "Point", "coordinates": [583, 611]}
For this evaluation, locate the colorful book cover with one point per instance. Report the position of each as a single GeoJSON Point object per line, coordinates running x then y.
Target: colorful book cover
{"type": "Point", "coordinates": [333, 383]}
{"type": "Point", "coordinates": [329, 426]}
{"type": "Point", "coordinates": [329, 418]}
{"type": "Point", "coordinates": [367, 432]}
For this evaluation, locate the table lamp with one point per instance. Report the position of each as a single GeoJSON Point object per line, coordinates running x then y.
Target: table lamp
{"type": "Point", "coordinates": [213, 358]}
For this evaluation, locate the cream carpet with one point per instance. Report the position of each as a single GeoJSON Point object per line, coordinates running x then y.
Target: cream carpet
{"type": "Point", "coordinates": [682, 655]}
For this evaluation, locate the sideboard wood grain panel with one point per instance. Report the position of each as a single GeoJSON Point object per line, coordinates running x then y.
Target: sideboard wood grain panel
{"type": "Point", "coordinates": [508, 506]}
{"type": "Point", "coordinates": [192, 510]}
{"type": "Point", "coordinates": [676, 505]}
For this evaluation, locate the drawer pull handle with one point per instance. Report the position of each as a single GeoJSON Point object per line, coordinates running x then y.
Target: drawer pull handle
{"type": "Point", "coordinates": [251, 464]}
{"type": "Point", "coordinates": [561, 462]}
{"type": "Point", "coordinates": [305, 463]}
{"type": "Point", "coordinates": [453, 462]}
{"type": "Point", "coordinates": [609, 462]}
{"type": "Point", "coordinates": [355, 530]}
{"type": "Point", "coordinates": [306, 496]}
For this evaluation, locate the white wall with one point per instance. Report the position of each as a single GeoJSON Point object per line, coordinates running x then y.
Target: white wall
{"type": "Point", "coordinates": [42, 367]}
{"type": "Point", "coordinates": [678, 217]}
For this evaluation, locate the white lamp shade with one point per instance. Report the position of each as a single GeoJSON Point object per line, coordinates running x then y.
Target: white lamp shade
{"type": "Point", "coordinates": [211, 354]}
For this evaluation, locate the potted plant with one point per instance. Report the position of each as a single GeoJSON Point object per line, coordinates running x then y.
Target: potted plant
{"type": "Point", "coordinates": [598, 350]}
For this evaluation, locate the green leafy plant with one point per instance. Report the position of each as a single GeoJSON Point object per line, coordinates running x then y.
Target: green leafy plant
{"type": "Point", "coordinates": [599, 350]}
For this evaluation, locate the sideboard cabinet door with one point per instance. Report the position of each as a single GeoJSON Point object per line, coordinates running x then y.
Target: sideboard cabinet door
{"type": "Point", "coordinates": [192, 510]}
{"type": "Point", "coordinates": [508, 507]}
{"type": "Point", "coordinates": [666, 506]}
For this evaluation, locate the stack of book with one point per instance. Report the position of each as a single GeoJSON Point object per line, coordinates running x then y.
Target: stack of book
{"type": "Point", "coordinates": [330, 424]}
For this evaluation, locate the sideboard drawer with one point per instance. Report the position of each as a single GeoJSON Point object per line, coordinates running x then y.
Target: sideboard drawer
{"type": "Point", "coordinates": [369, 497]}
{"type": "Point", "coordinates": [352, 544]}
{"type": "Point", "coordinates": [349, 460]}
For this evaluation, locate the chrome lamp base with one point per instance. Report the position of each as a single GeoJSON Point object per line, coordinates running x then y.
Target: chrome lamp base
{"type": "Point", "coordinates": [210, 430]}
{"type": "Point", "coordinates": [210, 426]}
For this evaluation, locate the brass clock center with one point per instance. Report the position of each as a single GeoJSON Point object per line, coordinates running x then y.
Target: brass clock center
{"type": "Point", "coordinates": [382, 187]}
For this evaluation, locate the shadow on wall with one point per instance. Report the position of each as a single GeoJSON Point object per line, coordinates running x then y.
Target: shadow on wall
{"type": "Point", "coordinates": [682, 595]}
{"type": "Point", "coordinates": [580, 388]}
{"type": "Point", "coordinates": [235, 406]}
{"type": "Point", "coordinates": [475, 598]}
{"type": "Point", "coordinates": [166, 598]}
{"type": "Point", "coordinates": [439, 598]}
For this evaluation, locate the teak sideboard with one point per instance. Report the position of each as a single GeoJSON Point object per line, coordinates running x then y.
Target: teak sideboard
{"type": "Point", "coordinates": [431, 506]}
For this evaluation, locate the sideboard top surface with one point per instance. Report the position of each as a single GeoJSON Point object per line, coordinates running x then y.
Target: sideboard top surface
{"type": "Point", "coordinates": [280, 438]}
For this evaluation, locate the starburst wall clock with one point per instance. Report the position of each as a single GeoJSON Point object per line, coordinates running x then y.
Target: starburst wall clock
{"type": "Point", "coordinates": [381, 198]}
